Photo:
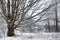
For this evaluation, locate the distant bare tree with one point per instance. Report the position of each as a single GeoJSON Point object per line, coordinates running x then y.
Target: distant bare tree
{"type": "Point", "coordinates": [56, 17]}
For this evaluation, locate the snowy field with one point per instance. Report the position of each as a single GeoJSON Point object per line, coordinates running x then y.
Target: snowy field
{"type": "Point", "coordinates": [34, 36]}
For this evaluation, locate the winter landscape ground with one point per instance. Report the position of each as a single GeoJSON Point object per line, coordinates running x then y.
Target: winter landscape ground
{"type": "Point", "coordinates": [33, 36]}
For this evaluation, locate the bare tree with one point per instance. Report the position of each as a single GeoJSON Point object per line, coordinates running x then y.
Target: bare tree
{"type": "Point", "coordinates": [14, 12]}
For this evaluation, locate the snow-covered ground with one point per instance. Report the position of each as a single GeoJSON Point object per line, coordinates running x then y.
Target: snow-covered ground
{"type": "Point", "coordinates": [29, 36]}
{"type": "Point", "coordinates": [34, 36]}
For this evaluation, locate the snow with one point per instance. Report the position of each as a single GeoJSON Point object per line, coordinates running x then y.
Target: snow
{"type": "Point", "coordinates": [34, 36]}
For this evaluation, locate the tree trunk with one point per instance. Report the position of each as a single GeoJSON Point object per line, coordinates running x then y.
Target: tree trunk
{"type": "Point", "coordinates": [56, 15]}
{"type": "Point", "coordinates": [10, 31]}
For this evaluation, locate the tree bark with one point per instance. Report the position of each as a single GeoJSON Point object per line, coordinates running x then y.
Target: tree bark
{"type": "Point", "coordinates": [10, 31]}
